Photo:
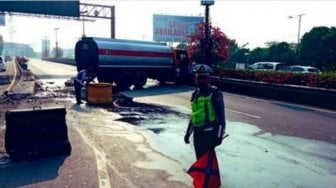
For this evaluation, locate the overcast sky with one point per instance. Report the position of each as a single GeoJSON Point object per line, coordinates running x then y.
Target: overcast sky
{"type": "Point", "coordinates": [246, 21]}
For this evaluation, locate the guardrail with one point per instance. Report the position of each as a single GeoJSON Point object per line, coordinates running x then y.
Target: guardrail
{"type": "Point", "coordinates": [320, 97]}
{"type": "Point", "coordinates": [61, 60]}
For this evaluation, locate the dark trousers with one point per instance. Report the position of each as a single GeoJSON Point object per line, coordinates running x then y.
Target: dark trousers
{"type": "Point", "coordinates": [204, 140]}
{"type": "Point", "coordinates": [78, 87]}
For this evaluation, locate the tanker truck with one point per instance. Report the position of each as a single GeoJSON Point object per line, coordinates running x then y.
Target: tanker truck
{"type": "Point", "coordinates": [131, 62]}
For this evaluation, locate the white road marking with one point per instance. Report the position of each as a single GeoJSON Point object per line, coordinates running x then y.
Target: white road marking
{"type": "Point", "coordinates": [13, 80]}
{"type": "Point", "coordinates": [245, 114]}
{"type": "Point", "coordinates": [286, 103]}
{"type": "Point", "coordinates": [103, 177]}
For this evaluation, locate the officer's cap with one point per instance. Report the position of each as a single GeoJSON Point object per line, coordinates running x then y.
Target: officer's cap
{"type": "Point", "coordinates": [202, 69]}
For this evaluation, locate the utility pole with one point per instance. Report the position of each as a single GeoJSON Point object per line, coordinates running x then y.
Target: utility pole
{"type": "Point", "coordinates": [82, 14]}
{"type": "Point", "coordinates": [56, 53]}
{"type": "Point", "coordinates": [299, 16]}
{"type": "Point", "coordinates": [206, 44]}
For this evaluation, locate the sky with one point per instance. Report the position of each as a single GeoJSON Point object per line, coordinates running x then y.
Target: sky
{"type": "Point", "coordinates": [249, 22]}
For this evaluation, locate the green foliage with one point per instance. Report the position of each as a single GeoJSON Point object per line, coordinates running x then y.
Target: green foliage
{"type": "Point", "coordinates": [311, 80]}
{"type": "Point", "coordinates": [238, 54]}
{"type": "Point", "coordinates": [318, 48]}
{"type": "Point", "coordinates": [279, 52]}
{"type": "Point", "coordinates": [182, 46]}
{"type": "Point", "coordinates": [258, 54]}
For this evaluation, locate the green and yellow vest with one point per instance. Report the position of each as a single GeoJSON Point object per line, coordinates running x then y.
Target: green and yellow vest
{"type": "Point", "coordinates": [203, 111]}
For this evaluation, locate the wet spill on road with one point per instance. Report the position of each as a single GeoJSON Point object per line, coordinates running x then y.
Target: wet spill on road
{"type": "Point", "coordinates": [4, 159]}
{"type": "Point", "coordinates": [142, 114]}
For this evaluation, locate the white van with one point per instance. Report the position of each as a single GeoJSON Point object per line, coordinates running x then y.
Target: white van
{"type": "Point", "coordinates": [270, 66]}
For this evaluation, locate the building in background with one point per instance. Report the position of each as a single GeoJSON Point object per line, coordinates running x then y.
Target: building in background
{"type": "Point", "coordinates": [69, 53]}
{"type": "Point", "coordinates": [45, 48]}
{"type": "Point", "coordinates": [18, 49]}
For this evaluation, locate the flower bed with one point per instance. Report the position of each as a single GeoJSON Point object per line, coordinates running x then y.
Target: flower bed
{"type": "Point", "coordinates": [312, 80]}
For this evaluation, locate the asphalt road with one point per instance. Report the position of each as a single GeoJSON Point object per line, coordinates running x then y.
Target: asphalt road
{"type": "Point", "coordinates": [271, 116]}
{"type": "Point", "coordinates": [271, 143]}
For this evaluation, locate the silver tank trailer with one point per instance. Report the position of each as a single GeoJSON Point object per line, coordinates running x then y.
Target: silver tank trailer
{"type": "Point", "coordinates": [125, 62]}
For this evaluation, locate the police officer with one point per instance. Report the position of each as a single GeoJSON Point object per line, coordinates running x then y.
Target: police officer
{"type": "Point", "coordinates": [208, 119]}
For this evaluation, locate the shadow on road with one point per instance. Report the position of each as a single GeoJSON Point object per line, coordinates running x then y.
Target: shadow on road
{"type": "Point", "coordinates": [30, 172]}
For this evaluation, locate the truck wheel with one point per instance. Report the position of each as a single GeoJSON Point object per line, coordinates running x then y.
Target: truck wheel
{"type": "Point", "coordinates": [126, 80]}
{"type": "Point", "coordinates": [162, 80]}
{"type": "Point", "coordinates": [140, 79]}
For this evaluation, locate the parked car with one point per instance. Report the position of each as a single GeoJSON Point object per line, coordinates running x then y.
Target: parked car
{"type": "Point", "coordinates": [269, 66]}
{"type": "Point", "coordinates": [2, 65]}
{"type": "Point", "coordinates": [8, 58]}
{"type": "Point", "coordinates": [304, 69]}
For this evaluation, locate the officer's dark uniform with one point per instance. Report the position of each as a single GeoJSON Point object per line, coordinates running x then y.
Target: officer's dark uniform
{"type": "Point", "coordinates": [210, 133]}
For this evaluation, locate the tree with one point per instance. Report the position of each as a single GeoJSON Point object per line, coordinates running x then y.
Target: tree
{"type": "Point", "coordinates": [218, 40]}
{"type": "Point", "coordinates": [281, 52]}
{"type": "Point", "coordinates": [182, 46]}
{"type": "Point", "coordinates": [318, 48]}
{"type": "Point", "coordinates": [238, 54]}
{"type": "Point", "coordinates": [275, 51]}
{"type": "Point", "coordinates": [1, 44]}
{"type": "Point", "coordinates": [258, 54]}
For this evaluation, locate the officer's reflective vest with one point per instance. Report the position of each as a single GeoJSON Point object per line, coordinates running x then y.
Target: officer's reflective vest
{"type": "Point", "coordinates": [202, 108]}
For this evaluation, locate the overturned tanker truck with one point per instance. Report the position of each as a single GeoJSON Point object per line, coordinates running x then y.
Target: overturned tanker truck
{"type": "Point", "coordinates": [130, 62]}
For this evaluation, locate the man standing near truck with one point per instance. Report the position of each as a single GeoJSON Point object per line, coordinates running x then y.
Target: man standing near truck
{"type": "Point", "coordinates": [83, 77]}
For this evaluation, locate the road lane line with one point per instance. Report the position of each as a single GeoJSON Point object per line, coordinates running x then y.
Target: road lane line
{"type": "Point", "coordinates": [271, 101]}
{"type": "Point", "coordinates": [245, 114]}
{"type": "Point", "coordinates": [13, 80]}
{"type": "Point", "coordinates": [103, 176]}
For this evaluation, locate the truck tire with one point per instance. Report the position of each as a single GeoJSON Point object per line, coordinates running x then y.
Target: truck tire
{"type": "Point", "coordinates": [140, 79]}
{"type": "Point", "coordinates": [126, 80]}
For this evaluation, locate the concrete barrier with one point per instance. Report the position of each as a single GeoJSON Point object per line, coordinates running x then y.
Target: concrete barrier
{"type": "Point", "coordinates": [320, 97]}
{"type": "Point", "coordinates": [36, 132]}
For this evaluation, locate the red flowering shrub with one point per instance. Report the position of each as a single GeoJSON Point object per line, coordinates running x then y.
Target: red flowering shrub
{"type": "Point", "coordinates": [312, 80]}
{"type": "Point", "coordinates": [220, 44]}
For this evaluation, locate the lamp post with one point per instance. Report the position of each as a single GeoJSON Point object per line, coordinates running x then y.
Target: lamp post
{"type": "Point", "coordinates": [82, 13]}
{"type": "Point", "coordinates": [299, 29]}
{"type": "Point", "coordinates": [206, 44]}
{"type": "Point", "coordinates": [56, 52]}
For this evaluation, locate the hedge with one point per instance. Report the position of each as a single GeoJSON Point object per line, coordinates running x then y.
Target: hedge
{"type": "Point", "coordinates": [327, 81]}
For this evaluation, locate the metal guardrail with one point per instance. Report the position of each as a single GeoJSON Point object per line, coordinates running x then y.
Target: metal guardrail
{"type": "Point", "coordinates": [61, 60]}
{"type": "Point", "coordinates": [320, 97]}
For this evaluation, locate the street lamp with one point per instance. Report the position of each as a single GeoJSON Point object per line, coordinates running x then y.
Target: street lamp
{"type": "Point", "coordinates": [298, 37]}
{"type": "Point", "coordinates": [56, 52]}
{"type": "Point", "coordinates": [207, 44]}
{"type": "Point", "coordinates": [82, 13]}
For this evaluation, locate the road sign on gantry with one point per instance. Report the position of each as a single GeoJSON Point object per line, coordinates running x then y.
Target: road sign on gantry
{"type": "Point", "coordinates": [58, 8]}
